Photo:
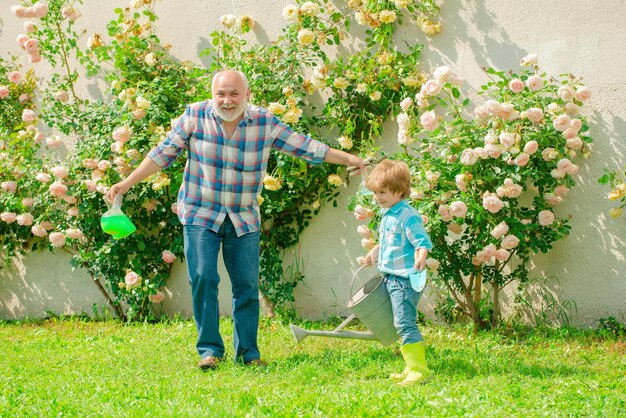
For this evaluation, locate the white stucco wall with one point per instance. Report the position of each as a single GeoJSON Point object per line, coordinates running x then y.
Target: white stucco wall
{"type": "Point", "coordinates": [585, 38]}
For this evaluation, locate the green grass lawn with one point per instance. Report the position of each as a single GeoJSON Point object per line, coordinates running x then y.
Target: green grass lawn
{"type": "Point", "coordinates": [82, 368]}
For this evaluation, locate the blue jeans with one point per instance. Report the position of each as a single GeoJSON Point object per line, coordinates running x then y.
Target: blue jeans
{"type": "Point", "coordinates": [241, 258]}
{"type": "Point", "coordinates": [404, 300]}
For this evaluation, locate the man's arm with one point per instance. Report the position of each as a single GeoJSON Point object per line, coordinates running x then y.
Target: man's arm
{"type": "Point", "coordinates": [335, 156]}
{"type": "Point", "coordinates": [145, 170]}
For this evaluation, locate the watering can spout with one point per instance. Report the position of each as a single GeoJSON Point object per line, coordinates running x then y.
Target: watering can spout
{"type": "Point", "coordinates": [301, 333]}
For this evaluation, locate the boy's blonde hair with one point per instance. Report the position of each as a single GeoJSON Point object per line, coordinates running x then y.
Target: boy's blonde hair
{"type": "Point", "coordinates": [392, 175]}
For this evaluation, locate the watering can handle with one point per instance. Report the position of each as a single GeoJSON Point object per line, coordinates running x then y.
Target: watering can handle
{"type": "Point", "coordinates": [356, 273]}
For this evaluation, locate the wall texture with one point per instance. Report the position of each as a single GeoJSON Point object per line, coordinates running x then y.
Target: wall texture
{"type": "Point", "coordinates": [588, 269]}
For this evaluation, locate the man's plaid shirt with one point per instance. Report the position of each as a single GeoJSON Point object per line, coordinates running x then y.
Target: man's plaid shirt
{"type": "Point", "coordinates": [224, 176]}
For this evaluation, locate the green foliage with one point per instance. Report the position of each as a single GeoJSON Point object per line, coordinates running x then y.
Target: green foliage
{"type": "Point", "coordinates": [612, 326]}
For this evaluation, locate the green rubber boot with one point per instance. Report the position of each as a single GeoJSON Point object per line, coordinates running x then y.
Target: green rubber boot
{"type": "Point", "coordinates": [415, 357]}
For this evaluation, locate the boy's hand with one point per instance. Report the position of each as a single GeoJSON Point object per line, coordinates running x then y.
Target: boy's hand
{"type": "Point", "coordinates": [419, 266]}
{"type": "Point", "coordinates": [420, 259]}
{"type": "Point", "coordinates": [372, 256]}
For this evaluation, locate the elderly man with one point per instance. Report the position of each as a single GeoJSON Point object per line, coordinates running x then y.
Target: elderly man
{"type": "Point", "coordinates": [228, 143]}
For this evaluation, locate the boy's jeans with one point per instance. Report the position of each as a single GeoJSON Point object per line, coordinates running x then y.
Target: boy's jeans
{"type": "Point", "coordinates": [404, 300]}
{"type": "Point", "coordinates": [241, 258]}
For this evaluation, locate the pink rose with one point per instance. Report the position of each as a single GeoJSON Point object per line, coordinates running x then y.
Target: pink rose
{"type": "Point", "coordinates": [522, 159]}
{"type": "Point", "coordinates": [499, 230]}
{"type": "Point", "coordinates": [546, 218]}
{"type": "Point", "coordinates": [61, 96]}
{"type": "Point", "coordinates": [9, 186]}
{"type": "Point", "coordinates": [406, 104]}
{"type": "Point", "coordinates": [566, 93]}
{"type": "Point", "coordinates": [28, 202]}
{"type": "Point", "coordinates": [8, 217]}
{"type": "Point", "coordinates": [60, 172]}
{"type": "Point", "coordinates": [534, 114]}
{"type": "Point", "coordinates": [444, 212]}
{"type": "Point", "coordinates": [168, 256]}
{"type": "Point", "coordinates": [103, 165]}
{"type": "Point", "coordinates": [29, 26]}
{"type": "Point", "coordinates": [24, 98]}
{"type": "Point", "coordinates": [561, 122]}
{"type": "Point", "coordinates": [561, 190]}
{"type": "Point", "coordinates": [34, 58]}
{"type": "Point", "coordinates": [507, 139]}
{"type": "Point", "coordinates": [492, 203]}
{"type": "Point", "coordinates": [431, 88]}
{"type": "Point", "coordinates": [31, 46]}
{"type": "Point", "coordinates": [90, 185]}
{"type": "Point", "coordinates": [549, 154]}
{"type": "Point", "coordinates": [429, 120]}
{"type": "Point", "coordinates": [139, 114]}
{"type": "Point", "coordinates": [57, 239]}
{"type": "Point", "coordinates": [509, 242]}
{"type": "Point", "coordinates": [575, 125]}
{"type": "Point", "coordinates": [493, 107]}
{"type": "Point", "coordinates": [460, 182]}
{"type": "Point", "coordinates": [583, 93]}
{"type": "Point", "coordinates": [42, 177]}
{"type": "Point", "coordinates": [516, 85]}
{"type": "Point", "coordinates": [74, 233]}
{"type": "Point", "coordinates": [73, 211]}
{"type": "Point", "coordinates": [458, 209]}
{"type": "Point", "coordinates": [4, 92]}
{"type": "Point", "coordinates": [364, 231]}
{"type": "Point", "coordinates": [131, 279]}
{"type": "Point", "coordinates": [574, 143]}
{"type": "Point", "coordinates": [508, 112]}
{"type": "Point", "coordinates": [442, 73]}
{"type": "Point", "coordinates": [58, 189]}
{"type": "Point", "coordinates": [15, 77]}
{"type": "Point", "coordinates": [552, 199]}
{"type": "Point", "coordinates": [39, 231]}
{"type": "Point", "coordinates": [28, 115]}
{"type": "Point", "coordinates": [563, 164]}
{"type": "Point", "coordinates": [48, 225]}
{"type": "Point", "coordinates": [468, 157]}
{"type": "Point", "coordinates": [502, 254]}
{"type": "Point", "coordinates": [122, 134]}
{"type": "Point", "coordinates": [21, 39]}
{"type": "Point", "coordinates": [90, 163]}
{"type": "Point", "coordinates": [361, 213]}
{"type": "Point", "coordinates": [534, 83]}
{"type": "Point", "coordinates": [158, 297]}
{"type": "Point", "coordinates": [25, 219]}
{"type": "Point", "coordinates": [41, 9]}
{"type": "Point", "coordinates": [531, 147]}
{"type": "Point", "coordinates": [368, 243]}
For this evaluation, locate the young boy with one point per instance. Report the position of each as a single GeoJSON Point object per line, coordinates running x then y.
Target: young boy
{"type": "Point", "coordinates": [402, 250]}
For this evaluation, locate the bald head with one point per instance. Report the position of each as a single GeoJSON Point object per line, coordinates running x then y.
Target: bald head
{"type": "Point", "coordinates": [230, 74]}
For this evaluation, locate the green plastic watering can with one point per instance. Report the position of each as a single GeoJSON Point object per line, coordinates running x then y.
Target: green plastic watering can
{"type": "Point", "coordinates": [114, 222]}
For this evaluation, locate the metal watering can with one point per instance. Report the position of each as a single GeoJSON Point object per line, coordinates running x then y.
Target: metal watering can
{"type": "Point", "coordinates": [370, 304]}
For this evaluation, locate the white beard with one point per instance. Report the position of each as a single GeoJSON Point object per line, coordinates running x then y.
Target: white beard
{"type": "Point", "coordinates": [231, 114]}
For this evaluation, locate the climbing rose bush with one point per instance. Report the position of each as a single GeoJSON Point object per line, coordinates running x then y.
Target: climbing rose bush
{"type": "Point", "coordinates": [490, 178]}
